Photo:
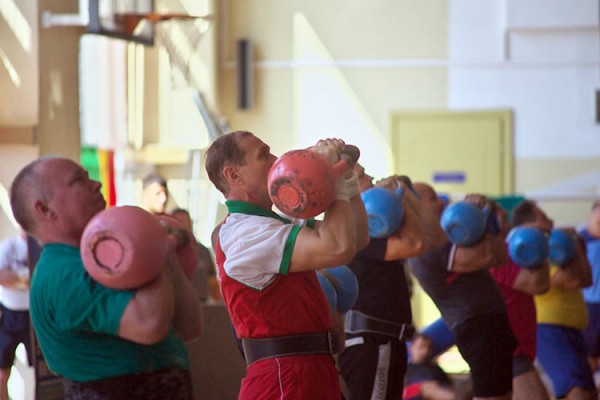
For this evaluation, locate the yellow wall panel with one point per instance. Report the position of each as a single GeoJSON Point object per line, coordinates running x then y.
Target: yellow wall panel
{"type": "Point", "coordinates": [457, 152]}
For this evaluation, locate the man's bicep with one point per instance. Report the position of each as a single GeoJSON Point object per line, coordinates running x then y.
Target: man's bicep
{"type": "Point", "coordinates": [308, 252]}
{"type": "Point", "coordinates": [311, 252]}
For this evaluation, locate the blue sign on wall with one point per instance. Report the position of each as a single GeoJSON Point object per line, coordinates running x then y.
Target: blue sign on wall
{"type": "Point", "coordinates": [449, 177]}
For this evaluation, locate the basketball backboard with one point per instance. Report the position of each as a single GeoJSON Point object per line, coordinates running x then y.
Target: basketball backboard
{"type": "Point", "coordinates": [123, 19]}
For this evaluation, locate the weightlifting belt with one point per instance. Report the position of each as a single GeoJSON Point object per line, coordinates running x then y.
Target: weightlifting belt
{"type": "Point", "coordinates": [310, 343]}
{"type": "Point", "coordinates": [357, 322]}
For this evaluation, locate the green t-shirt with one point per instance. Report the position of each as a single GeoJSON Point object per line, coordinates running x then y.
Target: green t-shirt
{"type": "Point", "coordinates": [76, 321]}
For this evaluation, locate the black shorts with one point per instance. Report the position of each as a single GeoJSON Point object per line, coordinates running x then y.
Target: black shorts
{"type": "Point", "coordinates": [373, 366]}
{"type": "Point", "coordinates": [14, 329]}
{"type": "Point", "coordinates": [171, 383]}
{"type": "Point", "coordinates": [487, 345]}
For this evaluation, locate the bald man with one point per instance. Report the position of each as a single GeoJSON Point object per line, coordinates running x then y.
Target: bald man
{"type": "Point", "coordinates": [106, 343]}
{"type": "Point", "coordinates": [429, 196]}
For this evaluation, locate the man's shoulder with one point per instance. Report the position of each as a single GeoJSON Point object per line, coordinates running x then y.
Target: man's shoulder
{"type": "Point", "coordinates": [241, 221]}
{"type": "Point", "coordinates": [59, 259]}
{"type": "Point", "coordinates": [257, 232]}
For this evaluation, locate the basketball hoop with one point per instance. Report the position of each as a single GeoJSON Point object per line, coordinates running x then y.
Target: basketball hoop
{"type": "Point", "coordinates": [180, 34]}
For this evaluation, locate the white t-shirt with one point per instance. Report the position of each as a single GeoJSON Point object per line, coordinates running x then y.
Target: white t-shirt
{"type": "Point", "coordinates": [254, 246]}
{"type": "Point", "coordinates": [13, 256]}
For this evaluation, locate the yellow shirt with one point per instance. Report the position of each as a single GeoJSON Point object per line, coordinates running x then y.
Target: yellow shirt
{"type": "Point", "coordinates": [561, 307]}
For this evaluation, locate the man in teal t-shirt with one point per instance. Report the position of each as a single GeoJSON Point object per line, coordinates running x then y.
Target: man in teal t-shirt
{"type": "Point", "coordinates": [106, 343]}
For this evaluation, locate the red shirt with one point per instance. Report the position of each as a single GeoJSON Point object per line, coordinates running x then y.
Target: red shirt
{"type": "Point", "coordinates": [520, 307]}
{"type": "Point", "coordinates": [291, 304]}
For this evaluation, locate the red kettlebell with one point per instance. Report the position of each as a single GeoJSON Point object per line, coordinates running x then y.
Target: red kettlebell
{"type": "Point", "coordinates": [302, 183]}
{"type": "Point", "coordinates": [186, 248]}
{"type": "Point", "coordinates": [124, 247]}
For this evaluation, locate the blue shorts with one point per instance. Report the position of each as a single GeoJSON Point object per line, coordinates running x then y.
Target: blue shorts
{"type": "Point", "coordinates": [14, 329]}
{"type": "Point", "coordinates": [591, 333]}
{"type": "Point", "coordinates": [561, 352]}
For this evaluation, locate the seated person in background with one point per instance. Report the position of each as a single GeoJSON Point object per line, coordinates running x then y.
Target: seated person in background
{"type": "Point", "coordinates": [424, 378]}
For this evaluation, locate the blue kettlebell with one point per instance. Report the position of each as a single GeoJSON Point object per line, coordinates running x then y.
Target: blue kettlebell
{"type": "Point", "coordinates": [346, 286]}
{"type": "Point", "coordinates": [441, 336]}
{"type": "Point", "coordinates": [464, 223]}
{"type": "Point", "coordinates": [329, 291]}
{"type": "Point", "coordinates": [385, 211]}
{"type": "Point", "coordinates": [527, 247]}
{"type": "Point", "coordinates": [562, 247]}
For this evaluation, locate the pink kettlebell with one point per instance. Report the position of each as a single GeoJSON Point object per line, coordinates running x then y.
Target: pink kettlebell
{"type": "Point", "coordinates": [124, 247]}
{"type": "Point", "coordinates": [302, 183]}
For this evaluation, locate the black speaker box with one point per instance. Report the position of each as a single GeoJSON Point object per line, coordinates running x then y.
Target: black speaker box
{"type": "Point", "coordinates": [245, 74]}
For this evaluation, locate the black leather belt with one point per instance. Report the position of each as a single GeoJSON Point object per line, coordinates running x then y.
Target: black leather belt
{"type": "Point", "coordinates": [310, 343]}
{"type": "Point", "coordinates": [357, 322]}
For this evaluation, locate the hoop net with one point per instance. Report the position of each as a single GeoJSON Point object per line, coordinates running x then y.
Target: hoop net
{"type": "Point", "coordinates": [180, 36]}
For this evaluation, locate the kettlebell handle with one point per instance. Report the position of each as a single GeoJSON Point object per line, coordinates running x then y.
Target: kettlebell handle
{"type": "Point", "coordinates": [348, 158]}
{"type": "Point", "coordinates": [350, 154]}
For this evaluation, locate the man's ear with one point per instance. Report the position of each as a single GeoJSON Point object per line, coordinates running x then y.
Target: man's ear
{"type": "Point", "coordinates": [42, 210]}
{"type": "Point", "coordinates": [231, 174]}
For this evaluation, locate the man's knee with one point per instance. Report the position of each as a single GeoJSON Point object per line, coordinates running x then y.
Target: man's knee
{"type": "Point", "coordinates": [529, 386]}
{"type": "Point", "coordinates": [578, 393]}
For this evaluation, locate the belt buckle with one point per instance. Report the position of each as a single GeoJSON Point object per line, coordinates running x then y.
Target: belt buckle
{"type": "Point", "coordinates": [330, 339]}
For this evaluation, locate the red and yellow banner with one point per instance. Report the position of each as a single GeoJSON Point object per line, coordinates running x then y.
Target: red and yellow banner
{"type": "Point", "coordinates": [100, 165]}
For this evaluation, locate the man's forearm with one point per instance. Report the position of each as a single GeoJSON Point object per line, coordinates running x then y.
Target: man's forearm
{"type": "Point", "coordinates": [480, 256]}
{"type": "Point", "coordinates": [149, 314]}
{"type": "Point", "coordinates": [338, 229]}
{"type": "Point", "coordinates": [362, 223]}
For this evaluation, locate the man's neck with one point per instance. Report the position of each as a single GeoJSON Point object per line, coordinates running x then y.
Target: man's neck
{"type": "Point", "coordinates": [249, 198]}
{"type": "Point", "coordinates": [59, 238]}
